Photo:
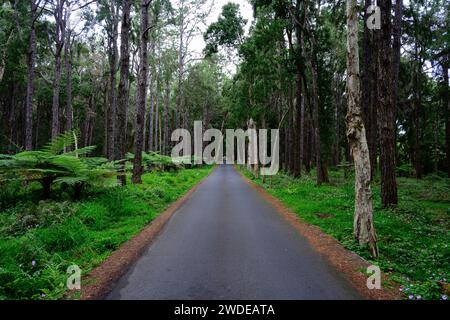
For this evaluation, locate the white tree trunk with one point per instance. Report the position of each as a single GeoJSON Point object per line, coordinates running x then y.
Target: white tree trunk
{"type": "Point", "coordinates": [364, 230]}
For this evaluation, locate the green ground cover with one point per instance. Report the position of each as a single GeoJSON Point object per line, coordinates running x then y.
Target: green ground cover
{"type": "Point", "coordinates": [40, 239]}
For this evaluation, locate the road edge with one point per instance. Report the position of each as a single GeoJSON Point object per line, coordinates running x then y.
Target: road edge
{"type": "Point", "coordinates": [347, 262]}
{"type": "Point", "coordinates": [102, 279]}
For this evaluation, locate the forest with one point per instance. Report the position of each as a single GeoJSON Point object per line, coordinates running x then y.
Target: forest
{"type": "Point", "coordinates": [91, 91]}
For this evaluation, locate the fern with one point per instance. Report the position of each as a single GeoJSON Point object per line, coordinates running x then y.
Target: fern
{"type": "Point", "coordinates": [55, 166]}
{"type": "Point", "coordinates": [155, 161]}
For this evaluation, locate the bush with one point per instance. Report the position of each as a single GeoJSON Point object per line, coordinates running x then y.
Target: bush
{"type": "Point", "coordinates": [29, 216]}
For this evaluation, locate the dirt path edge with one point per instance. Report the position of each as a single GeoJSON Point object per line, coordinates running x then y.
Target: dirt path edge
{"type": "Point", "coordinates": [344, 261]}
{"type": "Point", "coordinates": [101, 280]}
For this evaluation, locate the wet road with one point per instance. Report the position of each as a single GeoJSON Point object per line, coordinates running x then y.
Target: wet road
{"type": "Point", "coordinates": [227, 242]}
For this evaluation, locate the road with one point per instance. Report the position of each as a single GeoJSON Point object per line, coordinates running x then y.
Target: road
{"type": "Point", "coordinates": [225, 243]}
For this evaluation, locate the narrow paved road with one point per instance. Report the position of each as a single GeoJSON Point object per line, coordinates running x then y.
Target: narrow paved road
{"type": "Point", "coordinates": [227, 242]}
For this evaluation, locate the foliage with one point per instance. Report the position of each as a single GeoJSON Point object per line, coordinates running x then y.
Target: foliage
{"type": "Point", "coordinates": [54, 165]}
{"type": "Point", "coordinates": [155, 161]}
{"type": "Point", "coordinates": [228, 31]}
{"type": "Point", "coordinates": [39, 241]}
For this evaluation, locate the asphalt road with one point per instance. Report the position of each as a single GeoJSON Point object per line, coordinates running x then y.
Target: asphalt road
{"type": "Point", "coordinates": [226, 242]}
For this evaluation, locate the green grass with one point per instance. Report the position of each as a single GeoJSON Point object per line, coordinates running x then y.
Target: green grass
{"type": "Point", "coordinates": [413, 238]}
{"type": "Point", "coordinates": [39, 240]}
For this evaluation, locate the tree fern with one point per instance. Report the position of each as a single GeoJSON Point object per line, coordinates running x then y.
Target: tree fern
{"type": "Point", "coordinates": [53, 165]}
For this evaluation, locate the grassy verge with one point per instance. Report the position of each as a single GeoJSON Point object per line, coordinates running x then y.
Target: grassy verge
{"type": "Point", "coordinates": [39, 240]}
{"type": "Point", "coordinates": [413, 238]}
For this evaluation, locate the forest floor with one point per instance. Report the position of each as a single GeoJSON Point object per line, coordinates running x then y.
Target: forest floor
{"type": "Point", "coordinates": [413, 238]}
{"type": "Point", "coordinates": [39, 240]}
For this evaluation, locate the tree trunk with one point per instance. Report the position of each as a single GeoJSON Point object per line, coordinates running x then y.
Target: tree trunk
{"type": "Point", "coordinates": [113, 56]}
{"type": "Point", "coordinates": [31, 61]}
{"type": "Point", "coordinates": [181, 61]}
{"type": "Point", "coordinates": [166, 117]}
{"type": "Point", "coordinates": [364, 230]}
{"type": "Point", "coordinates": [68, 63]}
{"type": "Point", "coordinates": [60, 36]}
{"type": "Point", "coordinates": [4, 55]}
{"type": "Point", "coordinates": [446, 102]}
{"type": "Point", "coordinates": [141, 92]}
{"type": "Point", "coordinates": [322, 175]}
{"type": "Point", "coordinates": [123, 91]}
{"type": "Point", "coordinates": [386, 112]}
{"type": "Point", "coordinates": [368, 92]}
{"type": "Point", "coordinates": [56, 92]}
{"type": "Point", "coordinates": [151, 113]}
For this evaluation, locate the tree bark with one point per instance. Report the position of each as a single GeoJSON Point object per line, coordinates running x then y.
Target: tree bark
{"type": "Point", "coordinates": [31, 61]}
{"type": "Point", "coordinates": [123, 91]}
{"type": "Point", "coordinates": [446, 101]}
{"type": "Point", "coordinates": [68, 63]}
{"type": "Point", "coordinates": [364, 230]}
{"type": "Point", "coordinates": [181, 61]}
{"type": "Point", "coordinates": [166, 117]}
{"type": "Point", "coordinates": [322, 175]}
{"type": "Point", "coordinates": [113, 54]}
{"type": "Point", "coordinates": [386, 112]}
{"type": "Point", "coordinates": [141, 93]}
{"type": "Point", "coordinates": [369, 91]}
{"type": "Point", "coordinates": [60, 36]}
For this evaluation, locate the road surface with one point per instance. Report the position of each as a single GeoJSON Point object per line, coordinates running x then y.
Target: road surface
{"type": "Point", "coordinates": [227, 243]}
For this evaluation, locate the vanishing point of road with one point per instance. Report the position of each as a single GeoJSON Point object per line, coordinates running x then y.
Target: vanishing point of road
{"type": "Point", "coordinates": [227, 243]}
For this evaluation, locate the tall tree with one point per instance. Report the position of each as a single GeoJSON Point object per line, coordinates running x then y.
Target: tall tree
{"type": "Point", "coordinates": [123, 92]}
{"type": "Point", "coordinates": [59, 12]}
{"type": "Point", "coordinates": [446, 107]}
{"type": "Point", "coordinates": [386, 112]}
{"type": "Point", "coordinates": [113, 33]}
{"type": "Point", "coordinates": [141, 92]}
{"type": "Point", "coordinates": [364, 230]}
{"type": "Point", "coordinates": [31, 63]}
{"type": "Point", "coordinates": [68, 56]}
{"type": "Point", "coordinates": [369, 89]}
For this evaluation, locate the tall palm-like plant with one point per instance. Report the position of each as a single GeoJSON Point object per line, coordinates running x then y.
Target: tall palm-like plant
{"type": "Point", "coordinates": [53, 165]}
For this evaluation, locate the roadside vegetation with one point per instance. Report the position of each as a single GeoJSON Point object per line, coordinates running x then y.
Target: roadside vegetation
{"type": "Point", "coordinates": [413, 238]}
{"type": "Point", "coordinates": [60, 208]}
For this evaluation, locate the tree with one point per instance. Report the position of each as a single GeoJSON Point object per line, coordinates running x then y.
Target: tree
{"type": "Point", "coordinates": [228, 31]}
{"type": "Point", "coordinates": [386, 110]}
{"type": "Point", "coordinates": [109, 12]}
{"type": "Point", "coordinates": [123, 92]}
{"type": "Point", "coordinates": [363, 227]}
{"type": "Point", "coordinates": [141, 91]}
{"type": "Point", "coordinates": [369, 89]}
{"type": "Point", "coordinates": [59, 12]}
{"type": "Point", "coordinates": [190, 15]}
{"type": "Point", "coordinates": [31, 61]}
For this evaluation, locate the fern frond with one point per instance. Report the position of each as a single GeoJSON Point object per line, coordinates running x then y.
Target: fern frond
{"type": "Point", "coordinates": [58, 144]}
{"type": "Point", "coordinates": [71, 181]}
{"type": "Point", "coordinates": [81, 152]}
{"type": "Point", "coordinates": [71, 164]}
